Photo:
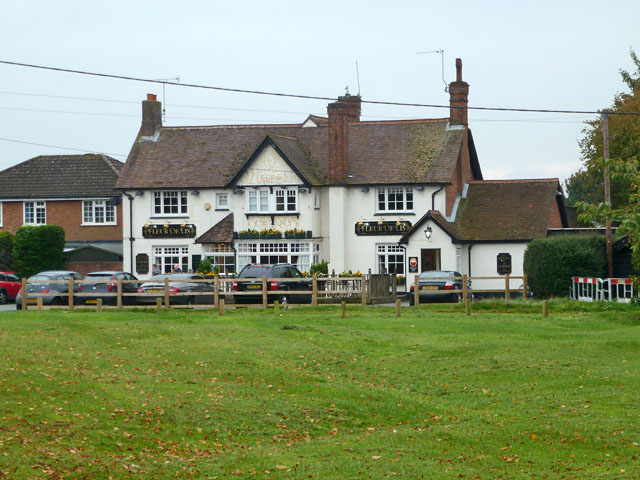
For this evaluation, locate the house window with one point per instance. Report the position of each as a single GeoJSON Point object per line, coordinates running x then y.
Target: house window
{"type": "Point", "coordinates": [280, 200]}
{"type": "Point", "coordinates": [35, 213]}
{"type": "Point", "coordinates": [167, 257]}
{"type": "Point", "coordinates": [268, 253]}
{"type": "Point", "coordinates": [222, 201]}
{"type": "Point", "coordinates": [390, 259]}
{"type": "Point", "coordinates": [221, 255]}
{"type": "Point", "coordinates": [170, 203]}
{"type": "Point", "coordinates": [98, 212]}
{"type": "Point", "coordinates": [395, 199]}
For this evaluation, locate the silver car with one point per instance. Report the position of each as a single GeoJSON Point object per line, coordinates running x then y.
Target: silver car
{"type": "Point", "coordinates": [56, 293]}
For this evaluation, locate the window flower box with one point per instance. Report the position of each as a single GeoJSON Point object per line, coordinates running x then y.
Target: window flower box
{"type": "Point", "coordinates": [270, 233]}
{"type": "Point", "coordinates": [295, 233]}
{"type": "Point", "coordinates": [252, 234]}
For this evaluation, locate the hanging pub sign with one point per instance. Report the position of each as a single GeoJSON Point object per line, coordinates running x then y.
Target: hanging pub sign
{"type": "Point", "coordinates": [413, 264]}
{"type": "Point", "coordinates": [169, 231]}
{"type": "Point", "coordinates": [382, 228]}
{"type": "Point", "coordinates": [504, 263]}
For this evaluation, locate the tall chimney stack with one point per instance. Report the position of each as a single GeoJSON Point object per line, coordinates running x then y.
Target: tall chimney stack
{"type": "Point", "coordinates": [458, 98]}
{"type": "Point", "coordinates": [346, 110]}
{"type": "Point", "coordinates": [151, 116]}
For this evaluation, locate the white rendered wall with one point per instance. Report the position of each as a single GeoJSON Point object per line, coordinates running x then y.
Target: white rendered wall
{"type": "Point", "coordinates": [484, 264]}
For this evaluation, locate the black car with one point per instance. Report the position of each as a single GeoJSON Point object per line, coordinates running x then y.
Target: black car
{"type": "Point", "coordinates": [96, 283]}
{"type": "Point", "coordinates": [283, 271]}
{"type": "Point", "coordinates": [439, 285]}
{"type": "Point", "coordinates": [56, 293]}
{"type": "Point", "coordinates": [179, 283]}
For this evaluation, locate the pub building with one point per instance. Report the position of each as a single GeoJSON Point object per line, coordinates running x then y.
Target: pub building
{"type": "Point", "coordinates": [397, 196]}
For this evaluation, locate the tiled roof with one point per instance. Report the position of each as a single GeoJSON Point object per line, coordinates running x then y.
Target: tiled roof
{"type": "Point", "coordinates": [221, 232]}
{"type": "Point", "coordinates": [61, 176]}
{"type": "Point", "coordinates": [507, 210]}
{"type": "Point", "coordinates": [392, 152]}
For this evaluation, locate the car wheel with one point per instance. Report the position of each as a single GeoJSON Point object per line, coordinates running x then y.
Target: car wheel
{"type": "Point", "coordinates": [411, 301]}
{"type": "Point", "coordinates": [18, 305]}
{"type": "Point", "coordinates": [3, 297]}
{"type": "Point", "coordinates": [56, 301]}
{"type": "Point", "coordinates": [191, 300]}
{"type": "Point", "coordinates": [458, 298]}
{"type": "Point", "coordinates": [284, 300]}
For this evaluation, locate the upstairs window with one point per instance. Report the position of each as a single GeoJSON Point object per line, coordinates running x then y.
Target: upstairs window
{"type": "Point", "coordinates": [35, 213]}
{"type": "Point", "coordinates": [98, 212]}
{"type": "Point", "coordinates": [281, 200]}
{"type": "Point", "coordinates": [222, 201]}
{"type": "Point", "coordinates": [395, 199]}
{"type": "Point", "coordinates": [170, 203]}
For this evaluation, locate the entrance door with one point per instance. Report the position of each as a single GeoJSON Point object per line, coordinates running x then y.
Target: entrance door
{"type": "Point", "coordinates": [429, 259]}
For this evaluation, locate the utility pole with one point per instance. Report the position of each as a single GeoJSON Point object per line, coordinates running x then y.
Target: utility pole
{"type": "Point", "coordinates": [607, 190]}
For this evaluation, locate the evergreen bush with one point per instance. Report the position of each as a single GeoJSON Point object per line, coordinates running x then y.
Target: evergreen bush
{"type": "Point", "coordinates": [36, 249]}
{"type": "Point", "coordinates": [6, 245]}
{"type": "Point", "coordinates": [551, 262]}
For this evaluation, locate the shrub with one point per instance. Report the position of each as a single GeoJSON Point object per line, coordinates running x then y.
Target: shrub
{"type": "Point", "coordinates": [551, 262]}
{"type": "Point", "coordinates": [6, 245]}
{"type": "Point", "coordinates": [321, 268]}
{"type": "Point", "coordinates": [204, 266]}
{"type": "Point", "coordinates": [38, 248]}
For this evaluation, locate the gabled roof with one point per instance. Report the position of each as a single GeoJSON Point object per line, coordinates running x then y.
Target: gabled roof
{"type": "Point", "coordinates": [61, 176]}
{"type": "Point", "coordinates": [221, 232]}
{"type": "Point", "coordinates": [500, 211]}
{"type": "Point", "coordinates": [389, 152]}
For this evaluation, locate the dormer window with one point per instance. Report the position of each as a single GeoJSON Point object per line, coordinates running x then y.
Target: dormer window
{"type": "Point", "coordinates": [272, 200]}
{"type": "Point", "coordinates": [395, 199]}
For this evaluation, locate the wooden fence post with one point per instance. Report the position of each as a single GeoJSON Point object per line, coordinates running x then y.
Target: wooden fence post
{"type": "Point", "coordinates": [276, 307]}
{"type": "Point", "coordinates": [24, 293]}
{"type": "Point", "coordinates": [265, 299]}
{"type": "Point", "coordinates": [166, 293]}
{"type": "Point", "coordinates": [507, 293]}
{"type": "Point", "coordinates": [344, 309]}
{"type": "Point", "coordinates": [394, 284]}
{"type": "Point", "coordinates": [221, 306]}
{"type": "Point", "coordinates": [99, 305]}
{"type": "Point", "coordinates": [314, 295]}
{"type": "Point", "coordinates": [363, 289]}
{"type": "Point", "coordinates": [119, 298]}
{"type": "Point", "coordinates": [416, 291]}
{"type": "Point", "coordinates": [39, 304]}
{"type": "Point", "coordinates": [468, 307]}
{"type": "Point", "coordinates": [158, 304]}
{"type": "Point", "coordinates": [465, 288]}
{"type": "Point", "coordinates": [71, 294]}
{"type": "Point", "coordinates": [398, 302]}
{"type": "Point", "coordinates": [524, 287]}
{"type": "Point", "coordinates": [216, 291]}
{"type": "Point", "coordinates": [545, 308]}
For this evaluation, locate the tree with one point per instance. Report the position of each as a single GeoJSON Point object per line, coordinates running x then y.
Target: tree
{"type": "Point", "coordinates": [6, 245]}
{"type": "Point", "coordinates": [587, 185]}
{"type": "Point", "coordinates": [38, 248]}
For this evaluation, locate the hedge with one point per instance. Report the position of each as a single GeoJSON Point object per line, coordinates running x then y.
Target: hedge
{"type": "Point", "coordinates": [6, 246]}
{"type": "Point", "coordinates": [36, 249]}
{"type": "Point", "coordinates": [551, 262]}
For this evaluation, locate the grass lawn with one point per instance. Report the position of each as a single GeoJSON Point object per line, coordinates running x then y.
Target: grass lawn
{"type": "Point", "coordinates": [504, 393]}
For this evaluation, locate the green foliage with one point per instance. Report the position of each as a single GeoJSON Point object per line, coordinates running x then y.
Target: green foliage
{"type": "Point", "coordinates": [38, 248]}
{"type": "Point", "coordinates": [321, 268]}
{"type": "Point", "coordinates": [204, 266]}
{"type": "Point", "coordinates": [6, 245]}
{"type": "Point", "coordinates": [551, 262]}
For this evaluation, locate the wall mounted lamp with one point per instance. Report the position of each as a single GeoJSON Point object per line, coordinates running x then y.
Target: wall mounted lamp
{"type": "Point", "coordinates": [195, 192]}
{"type": "Point", "coordinates": [364, 189]}
{"type": "Point", "coordinates": [428, 232]}
{"type": "Point", "coordinates": [139, 193]}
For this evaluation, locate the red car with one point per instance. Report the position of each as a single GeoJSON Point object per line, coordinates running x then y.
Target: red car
{"type": "Point", "coordinates": [10, 285]}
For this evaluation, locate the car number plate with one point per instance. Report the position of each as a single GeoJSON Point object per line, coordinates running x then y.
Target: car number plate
{"type": "Point", "coordinates": [92, 301]}
{"type": "Point", "coordinates": [32, 300]}
{"type": "Point", "coordinates": [155, 290]}
{"type": "Point", "coordinates": [254, 287]}
{"type": "Point", "coordinates": [429, 287]}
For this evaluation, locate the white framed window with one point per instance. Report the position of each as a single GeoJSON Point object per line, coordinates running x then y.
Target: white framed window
{"type": "Point", "coordinates": [221, 255]}
{"type": "Point", "coordinates": [170, 203]}
{"type": "Point", "coordinates": [394, 199]}
{"type": "Point", "coordinates": [166, 258]}
{"type": "Point", "coordinates": [390, 259]}
{"type": "Point", "coordinates": [35, 213]}
{"type": "Point", "coordinates": [222, 201]}
{"type": "Point", "coordinates": [295, 252]}
{"type": "Point", "coordinates": [98, 212]}
{"type": "Point", "coordinates": [280, 200]}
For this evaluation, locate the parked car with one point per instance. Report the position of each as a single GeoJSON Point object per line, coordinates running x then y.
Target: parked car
{"type": "Point", "coordinates": [107, 283]}
{"type": "Point", "coordinates": [10, 285]}
{"type": "Point", "coordinates": [280, 270]}
{"type": "Point", "coordinates": [178, 283]}
{"type": "Point", "coordinates": [436, 285]}
{"type": "Point", "coordinates": [54, 291]}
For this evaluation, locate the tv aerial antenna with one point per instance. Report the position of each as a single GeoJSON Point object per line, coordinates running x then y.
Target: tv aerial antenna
{"type": "Point", "coordinates": [441, 52]}
{"type": "Point", "coordinates": [164, 103]}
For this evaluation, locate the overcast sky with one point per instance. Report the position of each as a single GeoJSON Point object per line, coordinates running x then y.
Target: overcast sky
{"type": "Point", "coordinates": [543, 54]}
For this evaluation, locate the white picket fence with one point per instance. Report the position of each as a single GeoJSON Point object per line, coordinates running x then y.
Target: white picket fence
{"type": "Point", "coordinates": [592, 289]}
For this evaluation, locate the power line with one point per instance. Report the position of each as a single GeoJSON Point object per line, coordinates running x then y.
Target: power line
{"type": "Point", "coordinates": [62, 148]}
{"type": "Point", "coordinates": [305, 97]}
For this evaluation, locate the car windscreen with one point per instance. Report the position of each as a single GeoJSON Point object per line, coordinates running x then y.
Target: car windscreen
{"type": "Point", "coordinates": [255, 272]}
{"type": "Point", "coordinates": [98, 277]}
{"type": "Point", "coordinates": [436, 274]}
{"type": "Point", "coordinates": [39, 278]}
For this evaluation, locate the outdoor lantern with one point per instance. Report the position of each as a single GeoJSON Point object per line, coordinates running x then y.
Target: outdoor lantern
{"type": "Point", "coordinates": [428, 232]}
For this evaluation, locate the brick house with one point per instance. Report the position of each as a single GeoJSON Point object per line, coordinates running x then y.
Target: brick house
{"type": "Point", "coordinates": [337, 188]}
{"type": "Point", "coordinates": [75, 192]}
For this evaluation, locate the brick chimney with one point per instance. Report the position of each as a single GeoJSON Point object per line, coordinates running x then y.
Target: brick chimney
{"type": "Point", "coordinates": [151, 116]}
{"type": "Point", "coordinates": [458, 98]}
{"type": "Point", "coordinates": [346, 110]}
